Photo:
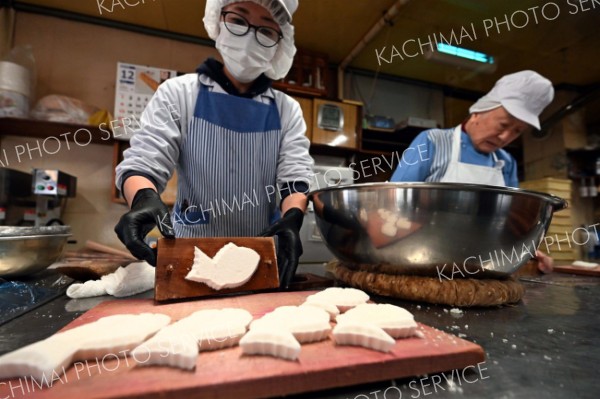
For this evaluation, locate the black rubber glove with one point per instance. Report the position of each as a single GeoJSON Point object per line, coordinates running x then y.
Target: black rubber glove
{"type": "Point", "coordinates": [289, 246]}
{"type": "Point", "coordinates": [147, 211]}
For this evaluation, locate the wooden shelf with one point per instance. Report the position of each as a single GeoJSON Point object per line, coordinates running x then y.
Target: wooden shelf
{"type": "Point", "coordinates": [584, 151]}
{"type": "Point", "coordinates": [324, 149]}
{"type": "Point", "coordinates": [386, 142]}
{"type": "Point", "coordinates": [374, 152]}
{"type": "Point", "coordinates": [582, 163]}
{"type": "Point", "coordinates": [293, 89]}
{"type": "Point", "coordinates": [45, 129]}
{"type": "Point", "coordinates": [308, 75]}
{"type": "Point", "coordinates": [379, 129]}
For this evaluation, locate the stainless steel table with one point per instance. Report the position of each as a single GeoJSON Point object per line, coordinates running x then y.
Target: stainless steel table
{"type": "Point", "coordinates": [548, 346]}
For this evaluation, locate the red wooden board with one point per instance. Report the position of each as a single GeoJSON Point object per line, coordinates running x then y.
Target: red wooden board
{"type": "Point", "coordinates": [583, 271]}
{"type": "Point", "coordinates": [229, 374]}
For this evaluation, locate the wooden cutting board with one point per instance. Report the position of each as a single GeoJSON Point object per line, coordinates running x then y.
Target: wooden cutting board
{"type": "Point", "coordinates": [176, 256]}
{"type": "Point", "coordinates": [582, 271]}
{"type": "Point", "coordinates": [229, 374]}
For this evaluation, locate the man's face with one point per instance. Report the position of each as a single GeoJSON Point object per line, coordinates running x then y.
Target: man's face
{"type": "Point", "coordinates": [254, 14]}
{"type": "Point", "coordinates": [494, 129]}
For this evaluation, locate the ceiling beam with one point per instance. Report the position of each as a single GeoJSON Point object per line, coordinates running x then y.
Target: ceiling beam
{"type": "Point", "coordinates": [54, 12]}
{"type": "Point", "coordinates": [449, 91]}
{"type": "Point", "coordinates": [386, 19]}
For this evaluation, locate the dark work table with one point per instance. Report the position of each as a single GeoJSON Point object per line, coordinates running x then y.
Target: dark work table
{"type": "Point", "coordinates": [547, 346]}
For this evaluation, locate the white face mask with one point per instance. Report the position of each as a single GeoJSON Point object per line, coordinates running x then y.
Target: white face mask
{"type": "Point", "coordinates": [244, 57]}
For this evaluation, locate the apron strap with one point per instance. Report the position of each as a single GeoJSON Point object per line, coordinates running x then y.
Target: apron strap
{"type": "Point", "coordinates": [455, 154]}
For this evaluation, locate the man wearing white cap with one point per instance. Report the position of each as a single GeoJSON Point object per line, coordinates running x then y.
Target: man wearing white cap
{"type": "Point", "coordinates": [472, 152]}
{"type": "Point", "coordinates": [237, 144]}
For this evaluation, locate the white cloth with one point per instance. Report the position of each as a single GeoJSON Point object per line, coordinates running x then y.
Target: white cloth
{"type": "Point", "coordinates": [125, 281]}
{"type": "Point", "coordinates": [461, 172]}
{"type": "Point", "coordinates": [581, 263]}
{"type": "Point", "coordinates": [284, 56]}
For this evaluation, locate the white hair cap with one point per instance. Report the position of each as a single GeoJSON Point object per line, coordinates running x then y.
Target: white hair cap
{"type": "Point", "coordinates": [281, 10]}
{"type": "Point", "coordinates": [523, 94]}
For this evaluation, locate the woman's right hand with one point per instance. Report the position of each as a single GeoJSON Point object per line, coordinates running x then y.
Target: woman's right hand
{"type": "Point", "coordinates": [147, 211]}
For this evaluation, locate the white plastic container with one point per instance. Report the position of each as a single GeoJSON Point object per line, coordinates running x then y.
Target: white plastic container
{"type": "Point", "coordinates": [14, 90]}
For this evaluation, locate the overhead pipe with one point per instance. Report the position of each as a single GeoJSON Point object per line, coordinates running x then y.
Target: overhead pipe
{"type": "Point", "coordinates": [590, 95]}
{"type": "Point", "coordinates": [386, 19]}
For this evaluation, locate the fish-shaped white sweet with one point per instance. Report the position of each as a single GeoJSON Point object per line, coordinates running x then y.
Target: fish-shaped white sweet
{"type": "Point", "coordinates": [47, 359]}
{"type": "Point", "coordinates": [280, 332]}
{"type": "Point", "coordinates": [178, 344]}
{"type": "Point", "coordinates": [343, 298]}
{"type": "Point", "coordinates": [366, 335]}
{"type": "Point", "coordinates": [231, 267]}
{"type": "Point", "coordinates": [328, 307]}
{"type": "Point", "coordinates": [272, 342]}
{"type": "Point", "coordinates": [394, 320]}
{"type": "Point", "coordinates": [306, 323]}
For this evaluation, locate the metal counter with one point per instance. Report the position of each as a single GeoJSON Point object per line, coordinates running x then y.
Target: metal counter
{"type": "Point", "coordinates": [548, 346]}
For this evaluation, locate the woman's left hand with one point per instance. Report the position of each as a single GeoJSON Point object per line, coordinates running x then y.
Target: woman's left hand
{"type": "Point", "coordinates": [289, 245]}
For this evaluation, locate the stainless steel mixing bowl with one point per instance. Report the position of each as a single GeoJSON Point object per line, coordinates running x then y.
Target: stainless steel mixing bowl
{"type": "Point", "coordinates": [446, 230]}
{"type": "Point", "coordinates": [27, 250]}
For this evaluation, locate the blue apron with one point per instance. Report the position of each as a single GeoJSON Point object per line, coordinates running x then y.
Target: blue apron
{"type": "Point", "coordinates": [227, 168]}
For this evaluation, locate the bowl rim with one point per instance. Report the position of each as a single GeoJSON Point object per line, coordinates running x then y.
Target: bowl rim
{"type": "Point", "coordinates": [34, 237]}
{"type": "Point", "coordinates": [24, 231]}
{"type": "Point", "coordinates": [557, 202]}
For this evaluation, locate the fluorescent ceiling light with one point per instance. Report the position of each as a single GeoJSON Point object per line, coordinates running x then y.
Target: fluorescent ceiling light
{"type": "Point", "coordinates": [465, 53]}
{"type": "Point", "coordinates": [461, 58]}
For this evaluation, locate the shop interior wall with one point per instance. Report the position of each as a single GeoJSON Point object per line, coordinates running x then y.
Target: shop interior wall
{"type": "Point", "coordinates": [395, 99]}
{"type": "Point", "coordinates": [80, 60]}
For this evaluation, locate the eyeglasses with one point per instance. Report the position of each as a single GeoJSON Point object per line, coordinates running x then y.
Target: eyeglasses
{"type": "Point", "coordinates": [239, 26]}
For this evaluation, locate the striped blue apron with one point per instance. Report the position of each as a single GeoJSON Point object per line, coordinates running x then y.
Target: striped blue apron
{"type": "Point", "coordinates": [227, 168]}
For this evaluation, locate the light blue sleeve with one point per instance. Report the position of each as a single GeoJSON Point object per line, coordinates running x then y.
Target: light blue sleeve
{"type": "Point", "coordinates": [415, 162]}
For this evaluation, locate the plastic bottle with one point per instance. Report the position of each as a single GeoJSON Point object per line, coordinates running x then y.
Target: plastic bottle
{"type": "Point", "coordinates": [592, 192]}
{"type": "Point", "coordinates": [596, 240]}
{"type": "Point", "coordinates": [23, 56]}
{"type": "Point", "coordinates": [591, 243]}
{"type": "Point", "coordinates": [583, 188]}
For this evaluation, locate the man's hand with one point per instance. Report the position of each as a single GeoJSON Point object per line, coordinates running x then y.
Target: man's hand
{"type": "Point", "coordinates": [147, 211]}
{"type": "Point", "coordinates": [289, 245]}
{"type": "Point", "coordinates": [545, 262]}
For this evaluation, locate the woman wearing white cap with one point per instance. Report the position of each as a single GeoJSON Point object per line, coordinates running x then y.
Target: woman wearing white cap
{"type": "Point", "coordinates": [238, 145]}
{"type": "Point", "coordinates": [472, 152]}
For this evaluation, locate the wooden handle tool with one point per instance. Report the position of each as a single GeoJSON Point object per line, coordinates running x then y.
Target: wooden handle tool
{"type": "Point", "coordinates": [176, 257]}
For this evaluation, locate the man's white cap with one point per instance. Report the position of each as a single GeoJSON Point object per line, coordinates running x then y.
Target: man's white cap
{"type": "Point", "coordinates": [281, 10]}
{"type": "Point", "coordinates": [523, 94]}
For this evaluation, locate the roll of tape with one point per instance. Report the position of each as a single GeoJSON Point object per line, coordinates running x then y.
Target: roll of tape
{"type": "Point", "coordinates": [14, 77]}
